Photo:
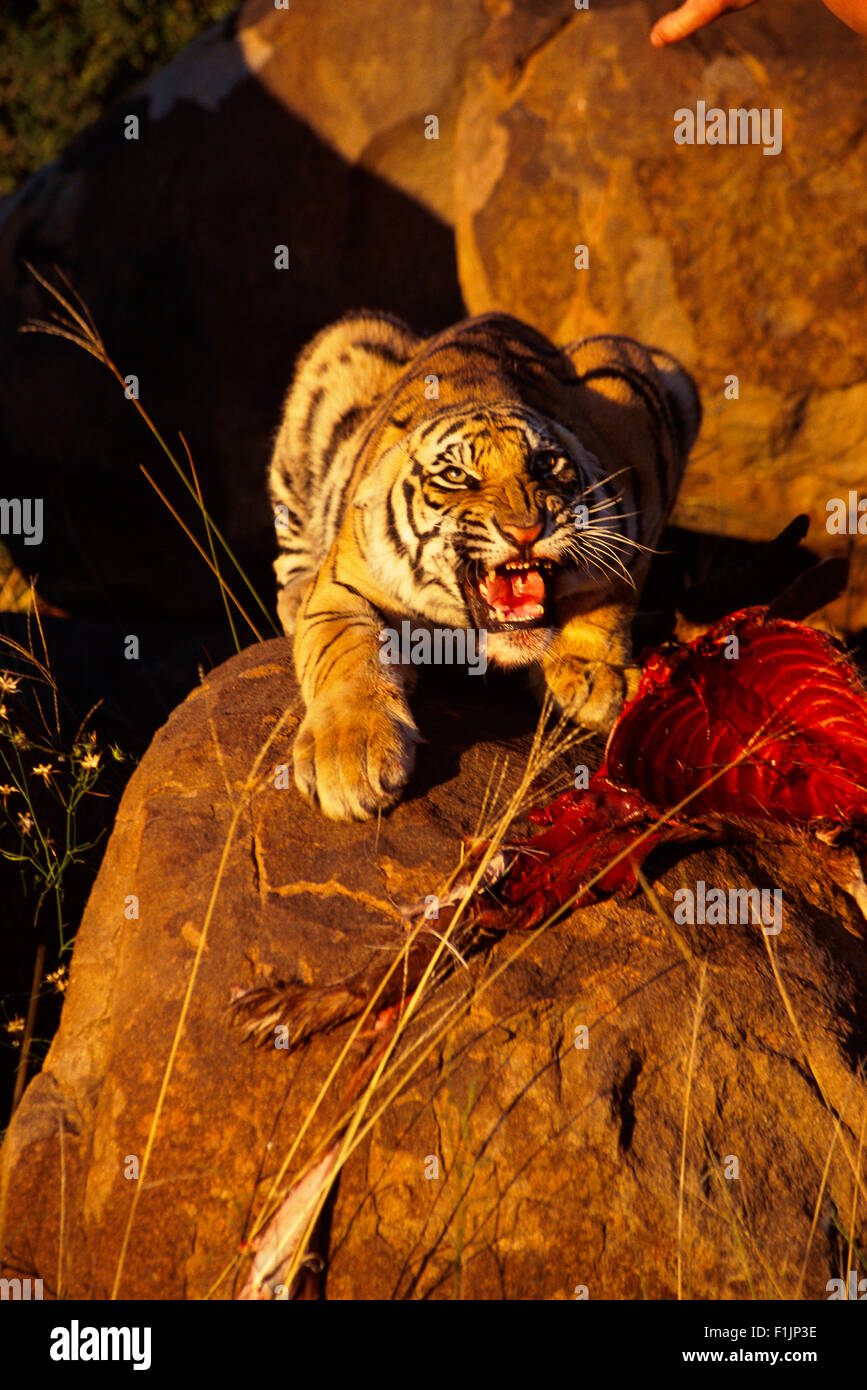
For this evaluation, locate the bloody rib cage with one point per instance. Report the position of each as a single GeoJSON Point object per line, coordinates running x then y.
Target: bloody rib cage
{"type": "Point", "coordinates": [757, 728]}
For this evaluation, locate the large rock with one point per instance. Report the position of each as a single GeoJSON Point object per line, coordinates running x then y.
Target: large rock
{"type": "Point", "coordinates": [558, 1166]}
{"type": "Point", "coordinates": [737, 262]}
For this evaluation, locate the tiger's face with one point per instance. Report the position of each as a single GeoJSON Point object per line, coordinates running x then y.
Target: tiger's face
{"type": "Point", "coordinates": [490, 516]}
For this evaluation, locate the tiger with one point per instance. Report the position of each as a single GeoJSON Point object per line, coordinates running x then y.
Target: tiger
{"type": "Point", "coordinates": [477, 479]}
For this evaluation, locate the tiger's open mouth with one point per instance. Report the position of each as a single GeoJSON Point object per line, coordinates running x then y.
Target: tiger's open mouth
{"type": "Point", "coordinates": [516, 594]}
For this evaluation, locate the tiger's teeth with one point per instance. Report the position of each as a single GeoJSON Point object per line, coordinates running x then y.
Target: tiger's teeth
{"type": "Point", "coordinates": [521, 565]}
{"type": "Point", "coordinates": [507, 615]}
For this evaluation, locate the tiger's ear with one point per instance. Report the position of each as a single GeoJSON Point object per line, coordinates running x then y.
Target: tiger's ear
{"type": "Point", "coordinates": [682, 395]}
{"type": "Point", "coordinates": [613, 372]}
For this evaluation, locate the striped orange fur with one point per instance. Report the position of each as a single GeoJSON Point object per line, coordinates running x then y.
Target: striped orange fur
{"type": "Point", "coordinates": [478, 479]}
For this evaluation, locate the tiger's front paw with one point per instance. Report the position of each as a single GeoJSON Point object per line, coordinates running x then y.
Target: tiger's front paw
{"type": "Point", "coordinates": [591, 693]}
{"type": "Point", "coordinates": [353, 760]}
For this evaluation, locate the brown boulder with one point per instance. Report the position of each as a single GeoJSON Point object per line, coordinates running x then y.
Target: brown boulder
{"type": "Point", "coordinates": [559, 1166]}
{"type": "Point", "coordinates": [735, 261]}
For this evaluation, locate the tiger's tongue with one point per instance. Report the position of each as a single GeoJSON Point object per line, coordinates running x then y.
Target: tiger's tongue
{"type": "Point", "coordinates": [513, 589]}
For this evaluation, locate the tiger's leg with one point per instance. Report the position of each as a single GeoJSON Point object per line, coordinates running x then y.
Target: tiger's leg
{"type": "Point", "coordinates": [295, 566]}
{"type": "Point", "coordinates": [290, 596]}
{"type": "Point", "coordinates": [355, 750]}
{"type": "Point", "coordinates": [588, 668]}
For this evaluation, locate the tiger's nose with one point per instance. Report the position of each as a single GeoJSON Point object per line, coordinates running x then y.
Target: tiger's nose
{"type": "Point", "coordinates": [524, 535]}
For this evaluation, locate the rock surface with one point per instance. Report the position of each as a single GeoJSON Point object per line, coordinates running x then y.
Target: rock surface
{"type": "Point", "coordinates": [737, 262]}
{"type": "Point", "coordinates": [558, 1166]}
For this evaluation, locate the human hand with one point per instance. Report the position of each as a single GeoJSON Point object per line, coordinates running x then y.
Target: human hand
{"type": "Point", "coordinates": [694, 14]}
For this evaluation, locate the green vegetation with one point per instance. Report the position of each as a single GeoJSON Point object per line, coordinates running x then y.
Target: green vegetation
{"type": "Point", "coordinates": [63, 61]}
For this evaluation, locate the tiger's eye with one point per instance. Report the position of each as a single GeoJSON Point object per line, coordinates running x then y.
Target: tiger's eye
{"type": "Point", "coordinates": [454, 474]}
{"type": "Point", "coordinates": [546, 461]}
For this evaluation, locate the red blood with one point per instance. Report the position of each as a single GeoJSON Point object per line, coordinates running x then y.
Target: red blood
{"type": "Point", "coordinates": [768, 729]}
{"type": "Point", "coordinates": [790, 711]}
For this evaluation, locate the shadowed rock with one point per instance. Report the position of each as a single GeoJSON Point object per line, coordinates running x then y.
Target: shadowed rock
{"type": "Point", "coordinates": [171, 239]}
